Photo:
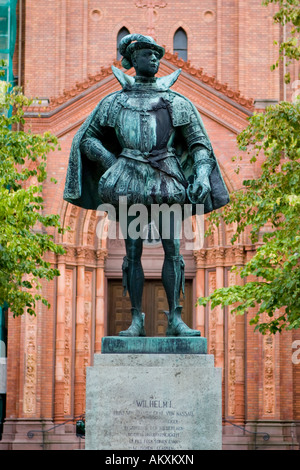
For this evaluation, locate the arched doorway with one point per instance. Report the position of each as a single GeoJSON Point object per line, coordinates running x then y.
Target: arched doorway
{"type": "Point", "coordinates": [154, 305]}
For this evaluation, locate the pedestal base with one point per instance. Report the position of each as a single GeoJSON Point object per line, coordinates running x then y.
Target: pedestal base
{"type": "Point", "coordinates": [153, 345]}
{"type": "Point", "coordinates": [153, 402]}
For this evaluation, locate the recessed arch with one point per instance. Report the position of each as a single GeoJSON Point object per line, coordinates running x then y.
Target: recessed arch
{"type": "Point", "coordinates": [121, 34]}
{"type": "Point", "coordinates": [180, 44]}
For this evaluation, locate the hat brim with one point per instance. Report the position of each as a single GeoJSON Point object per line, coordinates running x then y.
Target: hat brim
{"type": "Point", "coordinates": [134, 46]}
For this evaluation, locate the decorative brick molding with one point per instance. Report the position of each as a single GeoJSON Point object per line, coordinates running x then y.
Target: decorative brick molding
{"type": "Point", "coordinates": [104, 72]}
{"type": "Point", "coordinates": [198, 73]}
{"type": "Point", "coordinates": [220, 256]}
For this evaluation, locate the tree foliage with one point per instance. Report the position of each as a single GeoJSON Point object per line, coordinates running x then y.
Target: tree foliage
{"type": "Point", "coordinates": [270, 205]}
{"type": "Point", "coordinates": [24, 240]}
{"type": "Point", "coordinates": [288, 14]}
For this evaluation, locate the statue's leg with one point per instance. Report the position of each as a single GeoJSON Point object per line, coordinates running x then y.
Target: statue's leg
{"type": "Point", "coordinates": [133, 281]}
{"type": "Point", "coordinates": [172, 272]}
{"type": "Point", "coordinates": [173, 282]}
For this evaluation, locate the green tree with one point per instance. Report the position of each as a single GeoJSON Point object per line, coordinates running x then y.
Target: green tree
{"type": "Point", "coordinates": [288, 14]}
{"type": "Point", "coordinates": [24, 240]}
{"type": "Point", "coordinates": [272, 203]}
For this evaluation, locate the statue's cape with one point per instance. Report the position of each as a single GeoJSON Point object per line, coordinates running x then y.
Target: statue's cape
{"type": "Point", "coordinates": [83, 175]}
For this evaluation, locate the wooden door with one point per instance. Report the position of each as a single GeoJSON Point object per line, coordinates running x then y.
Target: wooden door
{"type": "Point", "coordinates": [154, 305]}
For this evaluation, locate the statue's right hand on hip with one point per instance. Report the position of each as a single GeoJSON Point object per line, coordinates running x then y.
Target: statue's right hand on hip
{"type": "Point", "coordinates": [95, 151]}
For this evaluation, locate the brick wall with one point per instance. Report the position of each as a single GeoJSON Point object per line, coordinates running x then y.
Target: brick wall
{"type": "Point", "coordinates": [66, 41]}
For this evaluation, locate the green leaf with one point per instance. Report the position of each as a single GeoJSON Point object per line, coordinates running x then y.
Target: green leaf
{"type": "Point", "coordinates": [23, 248]}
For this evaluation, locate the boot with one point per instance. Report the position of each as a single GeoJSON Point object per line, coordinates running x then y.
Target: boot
{"type": "Point", "coordinates": [137, 326]}
{"type": "Point", "coordinates": [173, 281]}
{"type": "Point", "coordinates": [176, 326]}
{"type": "Point", "coordinates": [133, 282]}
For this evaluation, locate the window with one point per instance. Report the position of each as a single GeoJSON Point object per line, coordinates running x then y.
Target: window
{"type": "Point", "coordinates": [4, 38]}
{"type": "Point", "coordinates": [121, 34]}
{"type": "Point", "coordinates": [4, 30]}
{"type": "Point", "coordinates": [7, 36]}
{"type": "Point", "coordinates": [180, 44]}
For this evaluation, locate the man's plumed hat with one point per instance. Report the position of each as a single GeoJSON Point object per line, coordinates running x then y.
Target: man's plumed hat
{"type": "Point", "coordinates": [133, 42]}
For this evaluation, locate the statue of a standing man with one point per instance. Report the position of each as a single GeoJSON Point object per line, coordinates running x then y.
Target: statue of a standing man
{"type": "Point", "coordinates": [147, 143]}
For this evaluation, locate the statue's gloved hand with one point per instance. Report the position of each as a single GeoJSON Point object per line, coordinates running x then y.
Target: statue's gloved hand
{"type": "Point", "coordinates": [198, 191]}
{"type": "Point", "coordinates": [107, 158]}
{"type": "Point", "coordinates": [95, 151]}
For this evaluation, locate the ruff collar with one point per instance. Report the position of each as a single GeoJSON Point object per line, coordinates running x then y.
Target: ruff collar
{"type": "Point", "coordinates": [132, 83]}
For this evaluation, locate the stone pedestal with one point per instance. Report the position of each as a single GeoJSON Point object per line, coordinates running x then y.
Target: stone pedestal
{"type": "Point", "coordinates": [142, 400]}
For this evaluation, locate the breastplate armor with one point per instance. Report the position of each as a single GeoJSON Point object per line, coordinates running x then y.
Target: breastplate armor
{"type": "Point", "coordinates": [144, 124]}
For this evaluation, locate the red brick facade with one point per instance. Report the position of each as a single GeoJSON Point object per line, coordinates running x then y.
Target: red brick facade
{"type": "Point", "coordinates": [66, 52]}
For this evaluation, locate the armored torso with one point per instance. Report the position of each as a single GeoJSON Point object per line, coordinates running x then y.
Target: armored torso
{"type": "Point", "coordinates": [147, 133]}
{"type": "Point", "coordinates": [147, 170]}
{"type": "Point", "coordinates": [144, 123]}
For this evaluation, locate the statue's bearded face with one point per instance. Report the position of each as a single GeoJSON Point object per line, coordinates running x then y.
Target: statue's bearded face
{"type": "Point", "coordinates": [145, 62]}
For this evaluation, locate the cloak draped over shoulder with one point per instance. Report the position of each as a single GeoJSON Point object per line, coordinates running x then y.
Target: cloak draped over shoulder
{"type": "Point", "coordinates": [83, 175]}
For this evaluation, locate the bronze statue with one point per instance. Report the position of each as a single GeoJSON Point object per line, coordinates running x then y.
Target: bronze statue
{"type": "Point", "coordinates": [147, 143]}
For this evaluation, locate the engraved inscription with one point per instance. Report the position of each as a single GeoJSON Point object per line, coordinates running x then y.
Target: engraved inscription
{"type": "Point", "coordinates": [152, 423]}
